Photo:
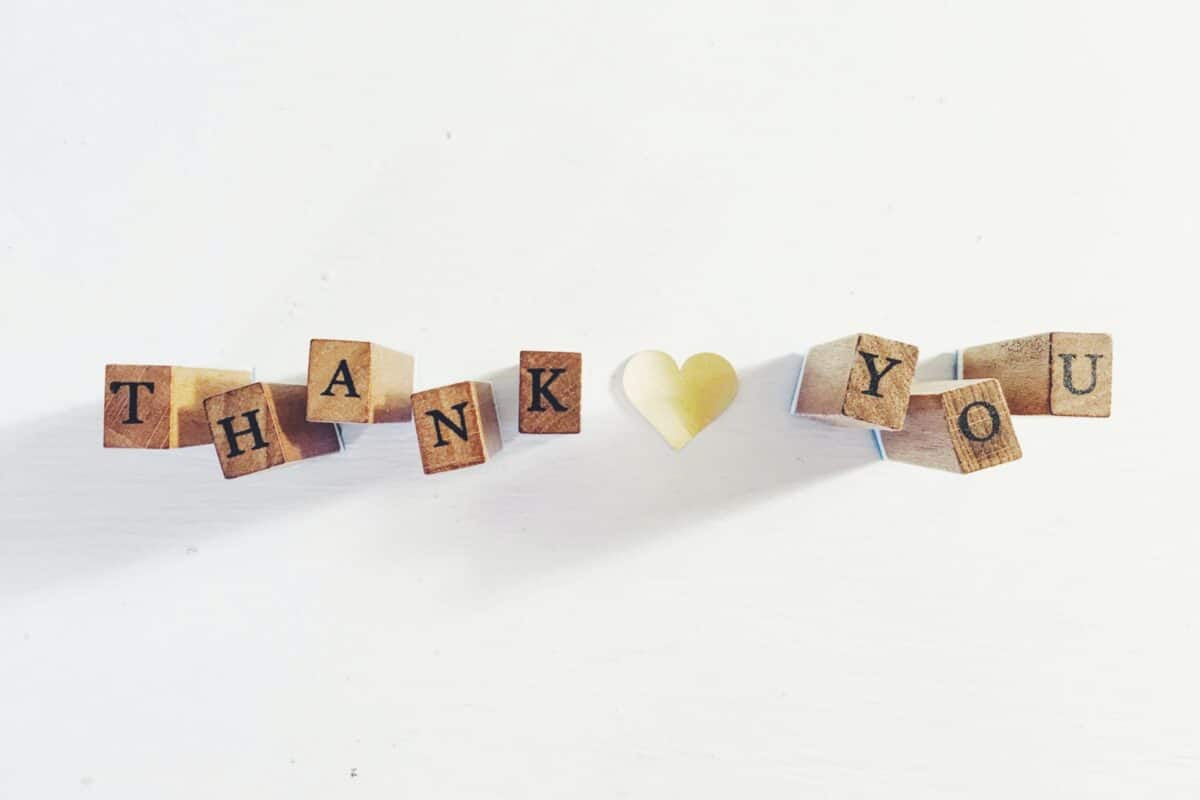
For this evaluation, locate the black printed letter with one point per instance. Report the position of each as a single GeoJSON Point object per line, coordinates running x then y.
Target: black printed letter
{"type": "Point", "coordinates": [343, 369]}
{"type": "Point", "coordinates": [232, 436]}
{"type": "Point", "coordinates": [543, 390]}
{"type": "Point", "coordinates": [460, 430]}
{"type": "Point", "coordinates": [115, 386]}
{"type": "Point", "coordinates": [964, 424]}
{"type": "Point", "coordinates": [1068, 360]}
{"type": "Point", "coordinates": [876, 375]}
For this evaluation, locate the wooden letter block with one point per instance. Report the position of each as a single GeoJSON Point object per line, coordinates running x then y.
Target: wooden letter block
{"type": "Point", "coordinates": [262, 425]}
{"type": "Point", "coordinates": [456, 426]}
{"type": "Point", "coordinates": [859, 381]}
{"type": "Point", "coordinates": [550, 392]}
{"type": "Point", "coordinates": [358, 382]}
{"type": "Point", "coordinates": [1066, 374]}
{"type": "Point", "coordinates": [960, 426]}
{"type": "Point", "coordinates": [158, 407]}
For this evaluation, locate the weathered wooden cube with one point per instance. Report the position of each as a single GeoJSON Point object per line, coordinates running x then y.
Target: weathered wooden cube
{"type": "Point", "coordinates": [550, 392]}
{"type": "Point", "coordinates": [358, 382]}
{"type": "Point", "coordinates": [456, 425]}
{"type": "Point", "coordinates": [859, 381]}
{"type": "Point", "coordinates": [262, 425]}
{"type": "Point", "coordinates": [960, 426]}
{"type": "Point", "coordinates": [1065, 374]}
{"type": "Point", "coordinates": [158, 407]}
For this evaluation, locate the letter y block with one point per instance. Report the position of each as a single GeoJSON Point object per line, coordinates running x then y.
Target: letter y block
{"type": "Point", "coordinates": [860, 381]}
{"type": "Point", "coordinates": [262, 425]}
{"type": "Point", "coordinates": [1065, 374]}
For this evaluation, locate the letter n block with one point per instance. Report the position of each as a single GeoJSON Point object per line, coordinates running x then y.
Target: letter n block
{"type": "Point", "coordinates": [159, 407]}
{"type": "Point", "coordinates": [358, 382]}
{"type": "Point", "coordinates": [1065, 374]}
{"type": "Point", "coordinates": [262, 425]}
{"type": "Point", "coordinates": [859, 381]}
{"type": "Point", "coordinates": [959, 426]}
{"type": "Point", "coordinates": [456, 426]}
{"type": "Point", "coordinates": [550, 392]}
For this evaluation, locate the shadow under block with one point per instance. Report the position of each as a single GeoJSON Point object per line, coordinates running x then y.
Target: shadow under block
{"type": "Point", "coordinates": [262, 425]}
{"type": "Point", "coordinates": [1065, 374]}
{"type": "Point", "coordinates": [859, 381]}
{"type": "Point", "coordinates": [456, 426]}
{"type": "Point", "coordinates": [358, 382]}
{"type": "Point", "coordinates": [159, 407]}
{"type": "Point", "coordinates": [960, 426]}
{"type": "Point", "coordinates": [549, 392]}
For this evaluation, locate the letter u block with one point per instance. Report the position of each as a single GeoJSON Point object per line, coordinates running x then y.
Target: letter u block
{"type": "Point", "coordinates": [860, 381]}
{"type": "Point", "coordinates": [1065, 374]}
{"type": "Point", "coordinates": [358, 382]}
{"type": "Point", "coordinates": [550, 391]}
{"type": "Point", "coordinates": [262, 425]}
{"type": "Point", "coordinates": [456, 426]}
{"type": "Point", "coordinates": [959, 426]}
{"type": "Point", "coordinates": [158, 407]}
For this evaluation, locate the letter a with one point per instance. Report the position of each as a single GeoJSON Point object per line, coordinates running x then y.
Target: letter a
{"type": "Point", "coordinates": [341, 377]}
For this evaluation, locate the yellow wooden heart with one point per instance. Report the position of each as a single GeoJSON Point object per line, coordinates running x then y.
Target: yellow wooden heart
{"type": "Point", "coordinates": [679, 403]}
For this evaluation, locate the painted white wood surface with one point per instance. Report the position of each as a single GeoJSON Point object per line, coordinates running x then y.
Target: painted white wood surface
{"type": "Point", "coordinates": [768, 613]}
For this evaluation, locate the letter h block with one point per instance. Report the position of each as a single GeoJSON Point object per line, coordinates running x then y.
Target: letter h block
{"type": "Point", "coordinates": [158, 407]}
{"type": "Point", "coordinates": [1064, 374]}
{"type": "Point", "coordinates": [860, 381]}
{"type": "Point", "coordinates": [959, 426]}
{"type": "Point", "coordinates": [456, 426]}
{"type": "Point", "coordinates": [550, 392]}
{"type": "Point", "coordinates": [262, 425]}
{"type": "Point", "coordinates": [358, 382]}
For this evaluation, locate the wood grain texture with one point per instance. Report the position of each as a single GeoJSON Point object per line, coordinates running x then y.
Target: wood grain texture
{"type": "Point", "coordinates": [169, 404]}
{"type": "Point", "coordinates": [837, 384]}
{"type": "Point", "coordinates": [960, 426]}
{"type": "Point", "coordinates": [353, 381]}
{"type": "Point", "coordinates": [456, 426]}
{"type": "Point", "coordinates": [268, 427]}
{"type": "Point", "coordinates": [559, 375]}
{"type": "Point", "coordinates": [1081, 374]}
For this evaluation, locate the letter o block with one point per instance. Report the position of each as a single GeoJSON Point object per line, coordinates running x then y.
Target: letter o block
{"type": "Point", "coordinates": [262, 425]}
{"type": "Point", "coordinates": [1064, 374]}
{"type": "Point", "coordinates": [959, 426]}
{"type": "Point", "coordinates": [157, 407]}
{"type": "Point", "coordinates": [859, 381]}
{"type": "Point", "coordinates": [456, 426]}
{"type": "Point", "coordinates": [358, 382]}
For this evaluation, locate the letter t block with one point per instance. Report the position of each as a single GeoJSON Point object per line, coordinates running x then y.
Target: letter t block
{"type": "Point", "coordinates": [262, 425]}
{"type": "Point", "coordinates": [456, 426]}
{"type": "Point", "coordinates": [157, 407]}
{"type": "Point", "coordinates": [550, 392]}
{"type": "Point", "coordinates": [860, 381]}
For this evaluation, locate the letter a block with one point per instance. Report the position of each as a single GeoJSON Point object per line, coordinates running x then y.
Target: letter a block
{"type": "Point", "coordinates": [960, 426]}
{"type": "Point", "coordinates": [1065, 374]}
{"type": "Point", "coordinates": [859, 381]}
{"type": "Point", "coordinates": [456, 426]}
{"type": "Point", "coordinates": [550, 392]}
{"type": "Point", "coordinates": [159, 407]}
{"type": "Point", "coordinates": [358, 382]}
{"type": "Point", "coordinates": [262, 425]}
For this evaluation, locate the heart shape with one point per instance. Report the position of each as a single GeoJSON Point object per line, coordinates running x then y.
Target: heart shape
{"type": "Point", "coordinates": [679, 402]}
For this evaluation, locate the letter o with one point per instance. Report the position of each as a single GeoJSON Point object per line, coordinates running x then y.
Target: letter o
{"type": "Point", "coordinates": [964, 424]}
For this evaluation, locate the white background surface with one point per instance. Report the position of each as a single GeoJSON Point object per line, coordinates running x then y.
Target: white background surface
{"type": "Point", "coordinates": [770, 613]}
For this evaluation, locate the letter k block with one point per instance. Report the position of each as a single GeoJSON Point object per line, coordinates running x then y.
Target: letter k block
{"type": "Point", "coordinates": [262, 425]}
{"type": "Point", "coordinates": [550, 393]}
{"type": "Point", "coordinates": [456, 426]}
{"type": "Point", "coordinates": [860, 381]}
